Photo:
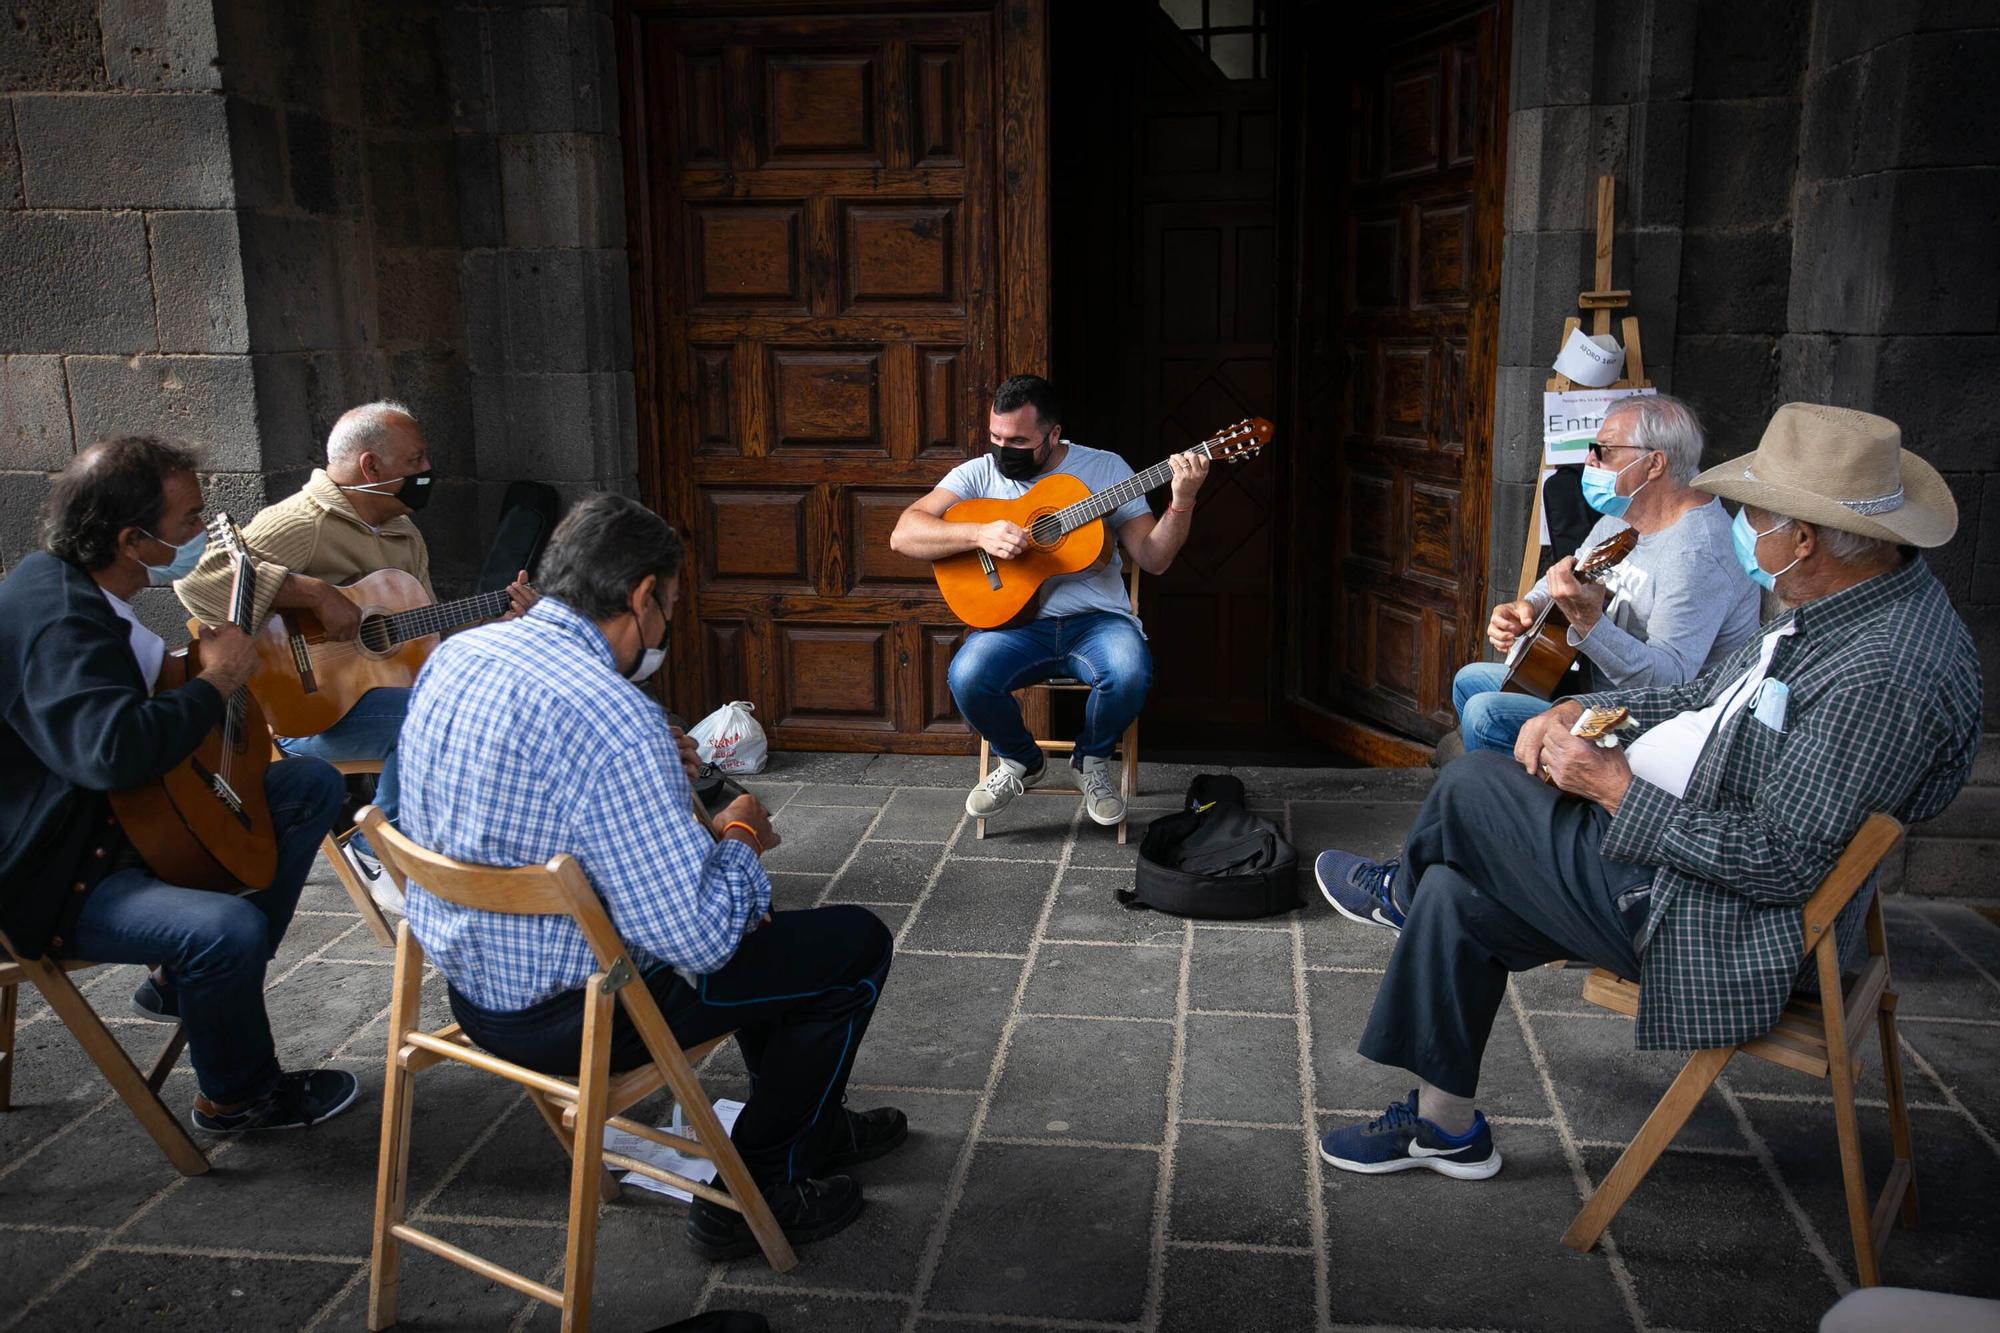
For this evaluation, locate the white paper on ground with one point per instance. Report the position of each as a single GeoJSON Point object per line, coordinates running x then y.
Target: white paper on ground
{"type": "Point", "coordinates": [698, 1169]}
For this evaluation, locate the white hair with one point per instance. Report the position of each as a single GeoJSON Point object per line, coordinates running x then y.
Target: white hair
{"type": "Point", "coordinates": [1667, 424]}
{"type": "Point", "coordinates": [364, 428]}
{"type": "Point", "coordinates": [1852, 548]}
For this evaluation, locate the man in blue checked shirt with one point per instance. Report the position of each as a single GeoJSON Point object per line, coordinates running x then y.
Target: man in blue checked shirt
{"type": "Point", "coordinates": [528, 738]}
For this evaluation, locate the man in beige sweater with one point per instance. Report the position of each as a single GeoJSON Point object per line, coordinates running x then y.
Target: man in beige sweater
{"type": "Point", "coordinates": [350, 519]}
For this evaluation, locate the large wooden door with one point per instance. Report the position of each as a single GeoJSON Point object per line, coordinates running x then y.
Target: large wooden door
{"type": "Point", "coordinates": [1395, 378]}
{"type": "Point", "coordinates": [825, 307]}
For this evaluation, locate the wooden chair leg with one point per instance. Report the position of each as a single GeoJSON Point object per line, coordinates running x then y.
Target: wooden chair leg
{"type": "Point", "coordinates": [587, 1153]}
{"type": "Point", "coordinates": [1674, 1108]}
{"type": "Point", "coordinates": [372, 914]}
{"type": "Point", "coordinates": [169, 1057]}
{"type": "Point", "coordinates": [985, 767]}
{"type": "Point", "coordinates": [392, 1168]}
{"type": "Point", "coordinates": [552, 1117]}
{"type": "Point", "coordinates": [8, 1011]}
{"type": "Point", "coordinates": [1130, 779]}
{"type": "Point", "coordinates": [1848, 1126]}
{"type": "Point", "coordinates": [1899, 1107]}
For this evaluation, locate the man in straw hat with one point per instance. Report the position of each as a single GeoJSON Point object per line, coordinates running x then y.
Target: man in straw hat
{"type": "Point", "coordinates": [1683, 860]}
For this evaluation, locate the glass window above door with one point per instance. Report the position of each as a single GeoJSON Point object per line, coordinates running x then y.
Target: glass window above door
{"type": "Point", "coordinates": [1234, 34]}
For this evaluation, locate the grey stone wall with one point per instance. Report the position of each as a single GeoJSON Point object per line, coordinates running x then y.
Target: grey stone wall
{"type": "Point", "coordinates": [1808, 199]}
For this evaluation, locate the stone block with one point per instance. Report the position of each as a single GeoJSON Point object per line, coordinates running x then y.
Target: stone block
{"type": "Point", "coordinates": [1954, 562]}
{"type": "Point", "coordinates": [1734, 281]}
{"type": "Point", "coordinates": [1732, 380]}
{"type": "Point", "coordinates": [540, 426]}
{"type": "Point", "coordinates": [412, 188]}
{"type": "Point", "coordinates": [1952, 867]}
{"type": "Point", "coordinates": [1750, 50]}
{"type": "Point", "coordinates": [285, 53]}
{"type": "Point", "coordinates": [560, 190]}
{"type": "Point", "coordinates": [467, 71]}
{"type": "Point", "coordinates": [403, 81]}
{"type": "Point", "coordinates": [1941, 279]}
{"type": "Point", "coordinates": [1541, 273]}
{"type": "Point", "coordinates": [452, 530]}
{"type": "Point", "coordinates": [1832, 121]}
{"type": "Point", "coordinates": [209, 401]}
{"type": "Point", "coordinates": [481, 223]}
{"type": "Point", "coordinates": [22, 495]}
{"type": "Point", "coordinates": [198, 282]}
{"type": "Point", "coordinates": [1513, 505]}
{"type": "Point", "coordinates": [1741, 156]}
{"type": "Point", "coordinates": [483, 291]}
{"type": "Point", "coordinates": [34, 414]}
{"type": "Point", "coordinates": [75, 282]}
{"type": "Point", "coordinates": [1986, 638]}
{"type": "Point", "coordinates": [437, 388]}
{"type": "Point", "coordinates": [417, 291]}
{"type": "Point", "coordinates": [1986, 574]}
{"type": "Point", "coordinates": [1840, 255]}
{"type": "Point", "coordinates": [1517, 423]}
{"type": "Point", "coordinates": [296, 277]}
{"type": "Point", "coordinates": [534, 64]}
{"type": "Point", "coordinates": [604, 76]}
{"type": "Point", "coordinates": [1554, 52]}
{"type": "Point", "coordinates": [83, 151]}
{"type": "Point", "coordinates": [51, 44]}
{"type": "Point", "coordinates": [10, 158]}
{"type": "Point", "coordinates": [301, 395]}
{"type": "Point", "coordinates": [324, 164]}
{"type": "Point", "coordinates": [548, 311]}
{"type": "Point", "coordinates": [1670, 72]}
{"type": "Point", "coordinates": [1549, 183]}
{"type": "Point", "coordinates": [1945, 394]}
{"type": "Point", "coordinates": [1649, 263]}
{"type": "Point", "coordinates": [151, 44]}
{"type": "Point", "coordinates": [1656, 186]}
{"type": "Point", "coordinates": [612, 307]}
{"type": "Point", "coordinates": [1841, 32]}
{"type": "Point", "coordinates": [257, 154]}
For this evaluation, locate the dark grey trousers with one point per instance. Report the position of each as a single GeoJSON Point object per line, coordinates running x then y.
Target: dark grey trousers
{"type": "Point", "coordinates": [1501, 873]}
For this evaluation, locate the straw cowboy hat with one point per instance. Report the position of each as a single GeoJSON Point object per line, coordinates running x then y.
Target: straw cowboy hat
{"type": "Point", "coordinates": [1839, 468]}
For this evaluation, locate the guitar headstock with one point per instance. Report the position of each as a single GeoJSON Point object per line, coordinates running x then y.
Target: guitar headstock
{"type": "Point", "coordinates": [1608, 553]}
{"type": "Point", "coordinates": [1239, 441]}
{"type": "Point", "coordinates": [223, 532]}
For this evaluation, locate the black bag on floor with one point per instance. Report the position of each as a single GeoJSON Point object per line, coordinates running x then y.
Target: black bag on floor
{"type": "Point", "coordinates": [1215, 859]}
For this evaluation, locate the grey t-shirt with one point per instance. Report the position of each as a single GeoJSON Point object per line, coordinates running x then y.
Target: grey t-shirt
{"type": "Point", "coordinates": [1677, 604]}
{"type": "Point", "coordinates": [1102, 589]}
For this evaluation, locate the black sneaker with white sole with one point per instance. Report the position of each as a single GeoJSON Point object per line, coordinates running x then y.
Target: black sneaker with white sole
{"type": "Point", "coordinates": [156, 1001]}
{"type": "Point", "coordinates": [302, 1099]}
{"type": "Point", "coordinates": [805, 1210]}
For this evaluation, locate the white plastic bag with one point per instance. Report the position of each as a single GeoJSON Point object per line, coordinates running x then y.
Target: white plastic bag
{"type": "Point", "coordinates": [730, 738]}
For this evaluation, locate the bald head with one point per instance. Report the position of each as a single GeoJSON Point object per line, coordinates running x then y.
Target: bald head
{"type": "Point", "coordinates": [372, 428]}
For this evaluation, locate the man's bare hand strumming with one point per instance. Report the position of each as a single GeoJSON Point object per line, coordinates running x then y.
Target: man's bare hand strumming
{"type": "Point", "coordinates": [228, 658]}
{"type": "Point", "coordinates": [1510, 621]}
{"type": "Point", "coordinates": [1002, 540]}
{"type": "Point", "coordinates": [1570, 764]}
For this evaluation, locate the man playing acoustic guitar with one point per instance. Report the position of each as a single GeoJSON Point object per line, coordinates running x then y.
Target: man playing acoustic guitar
{"type": "Point", "coordinates": [350, 519]}
{"type": "Point", "coordinates": [1083, 625]}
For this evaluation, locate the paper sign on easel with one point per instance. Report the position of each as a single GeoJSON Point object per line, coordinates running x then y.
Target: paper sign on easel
{"type": "Point", "coordinates": [1570, 422]}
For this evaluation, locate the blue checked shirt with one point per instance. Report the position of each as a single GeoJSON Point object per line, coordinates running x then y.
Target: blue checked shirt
{"type": "Point", "coordinates": [523, 742]}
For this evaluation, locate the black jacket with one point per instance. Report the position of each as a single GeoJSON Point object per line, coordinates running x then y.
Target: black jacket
{"type": "Point", "coordinates": [75, 722]}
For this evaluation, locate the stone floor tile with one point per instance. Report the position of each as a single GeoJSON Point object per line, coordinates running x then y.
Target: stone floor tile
{"type": "Point", "coordinates": [1086, 908]}
{"type": "Point", "coordinates": [1032, 827]}
{"type": "Point", "coordinates": [55, 1084]}
{"type": "Point", "coordinates": [1366, 828]}
{"type": "Point", "coordinates": [949, 771]}
{"type": "Point", "coordinates": [434, 1294]}
{"type": "Point", "coordinates": [1971, 1054]}
{"type": "Point", "coordinates": [1931, 976]}
{"type": "Point", "coordinates": [1108, 853]}
{"type": "Point", "coordinates": [818, 838]}
{"type": "Point", "coordinates": [775, 795]}
{"type": "Point", "coordinates": [1242, 1069]}
{"type": "Point", "coordinates": [646, 1274]}
{"type": "Point", "coordinates": [1470, 1252]}
{"type": "Point", "coordinates": [1084, 1079]}
{"type": "Point", "coordinates": [1210, 1290]}
{"type": "Point", "coordinates": [904, 1194]}
{"type": "Point", "coordinates": [1555, 989]}
{"type": "Point", "coordinates": [818, 1312]}
{"type": "Point", "coordinates": [1242, 969]}
{"type": "Point", "coordinates": [321, 1005]}
{"type": "Point", "coordinates": [824, 766]}
{"type": "Point", "coordinates": [1608, 1088]}
{"type": "Point", "coordinates": [1709, 1245]}
{"type": "Point", "coordinates": [889, 872]}
{"type": "Point", "coordinates": [35, 1259]}
{"type": "Point", "coordinates": [841, 793]}
{"type": "Point", "coordinates": [1128, 981]}
{"type": "Point", "coordinates": [1331, 940]}
{"type": "Point", "coordinates": [922, 814]}
{"type": "Point", "coordinates": [1051, 1232]}
{"type": "Point", "coordinates": [1339, 1006]}
{"type": "Point", "coordinates": [122, 1290]}
{"type": "Point", "coordinates": [981, 908]}
{"type": "Point", "coordinates": [99, 1172]}
{"type": "Point", "coordinates": [1247, 1186]}
{"type": "Point", "coordinates": [795, 892]}
{"type": "Point", "coordinates": [939, 1022]}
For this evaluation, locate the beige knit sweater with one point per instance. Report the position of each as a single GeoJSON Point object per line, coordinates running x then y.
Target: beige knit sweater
{"type": "Point", "coordinates": [314, 533]}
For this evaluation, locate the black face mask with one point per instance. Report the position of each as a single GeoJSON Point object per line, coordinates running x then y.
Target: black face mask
{"type": "Point", "coordinates": [414, 490]}
{"type": "Point", "coordinates": [1018, 464]}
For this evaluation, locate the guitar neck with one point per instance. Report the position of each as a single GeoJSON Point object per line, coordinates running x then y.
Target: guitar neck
{"type": "Point", "coordinates": [443, 617]}
{"type": "Point", "coordinates": [1110, 498]}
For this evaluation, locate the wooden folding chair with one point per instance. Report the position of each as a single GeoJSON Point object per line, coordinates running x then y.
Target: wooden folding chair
{"type": "Point", "coordinates": [141, 1093]}
{"type": "Point", "coordinates": [576, 1113]}
{"type": "Point", "coordinates": [1814, 1038]}
{"type": "Point", "coordinates": [1034, 700]}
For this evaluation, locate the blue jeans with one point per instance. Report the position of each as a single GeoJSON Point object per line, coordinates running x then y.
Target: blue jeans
{"type": "Point", "coordinates": [1104, 650]}
{"type": "Point", "coordinates": [369, 731]}
{"type": "Point", "coordinates": [1488, 719]}
{"type": "Point", "coordinates": [214, 946]}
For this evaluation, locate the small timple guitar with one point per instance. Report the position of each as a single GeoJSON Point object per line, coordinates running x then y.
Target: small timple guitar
{"type": "Point", "coordinates": [205, 823]}
{"type": "Point", "coordinates": [1066, 528]}
{"type": "Point", "coordinates": [1536, 663]}
{"type": "Point", "coordinates": [307, 682]}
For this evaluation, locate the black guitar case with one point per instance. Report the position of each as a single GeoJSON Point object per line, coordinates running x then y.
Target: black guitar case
{"type": "Point", "coordinates": [527, 515]}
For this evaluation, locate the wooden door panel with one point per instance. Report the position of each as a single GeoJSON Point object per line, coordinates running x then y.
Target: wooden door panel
{"type": "Point", "coordinates": [821, 220]}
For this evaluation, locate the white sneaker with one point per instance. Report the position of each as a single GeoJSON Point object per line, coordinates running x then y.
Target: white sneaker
{"type": "Point", "coordinates": [1100, 794]}
{"type": "Point", "coordinates": [1007, 780]}
{"type": "Point", "coordinates": [369, 871]}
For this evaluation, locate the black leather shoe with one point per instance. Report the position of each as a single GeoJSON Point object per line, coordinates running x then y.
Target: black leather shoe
{"type": "Point", "coordinates": [862, 1136]}
{"type": "Point", "coordinates": [806, 1210]}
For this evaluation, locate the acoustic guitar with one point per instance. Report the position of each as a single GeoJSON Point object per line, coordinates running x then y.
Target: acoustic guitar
{"type": "Point", "coordinates": [1068, 532]}
{"type": "Point", "coordinates": [1536, 663]}
{"type": "Point", "coordinates": [307, 682]}
{"type": "Point", "coordinates": [205, 824]}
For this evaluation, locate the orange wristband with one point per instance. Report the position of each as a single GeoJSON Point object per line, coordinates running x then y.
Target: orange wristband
{"type": "Point", "coordinates": [755, 841]}
{"type": "Point", "coordinates": [1180, 509]}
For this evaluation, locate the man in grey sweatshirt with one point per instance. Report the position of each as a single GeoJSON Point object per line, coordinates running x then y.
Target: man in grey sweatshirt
{"type": "Point", "coordinates": [1676, 604]}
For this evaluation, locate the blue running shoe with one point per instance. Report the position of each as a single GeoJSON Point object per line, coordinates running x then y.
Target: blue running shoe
{"type": "Point", "coordinates": [1359, 889]}
{"type": "Point", "coordinates": [1400, 1139]}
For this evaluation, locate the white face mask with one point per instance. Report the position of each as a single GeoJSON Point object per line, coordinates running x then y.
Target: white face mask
{"type": "Point", "coordinates": [650, 659]}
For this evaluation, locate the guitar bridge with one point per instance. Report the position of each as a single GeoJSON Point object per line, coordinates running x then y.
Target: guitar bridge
{"type": "Point", "coordinates": [219, 787]}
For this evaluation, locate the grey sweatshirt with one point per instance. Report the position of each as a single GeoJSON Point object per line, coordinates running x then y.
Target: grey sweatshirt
{"type": "Point", "coordinates": [1677, 603]}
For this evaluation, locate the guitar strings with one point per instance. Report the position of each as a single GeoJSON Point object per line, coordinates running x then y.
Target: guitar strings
{"type": "Point", "coordinates": [1108, 499]}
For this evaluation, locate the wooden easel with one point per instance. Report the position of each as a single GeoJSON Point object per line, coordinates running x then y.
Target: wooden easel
{"type": "Point", "coordinates": [1600, 302]}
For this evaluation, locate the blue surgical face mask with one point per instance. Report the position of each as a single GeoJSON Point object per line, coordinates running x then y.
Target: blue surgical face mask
{"type": "Point", "coordinates": [186, 556]}
{"type": "Point", "coordinates": [1745, 539]}
{"type": "Point", "coordinates": [1600, 488]}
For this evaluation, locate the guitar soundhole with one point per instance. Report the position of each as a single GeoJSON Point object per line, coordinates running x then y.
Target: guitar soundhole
{"type": "Point", "coordinates": [375, 634]}
{"type": "Point", "coordinates": [1046, 530]}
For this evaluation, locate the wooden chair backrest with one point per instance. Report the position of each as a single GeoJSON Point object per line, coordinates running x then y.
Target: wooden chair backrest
{"type": "Point", "coordinates": [1865, 850]}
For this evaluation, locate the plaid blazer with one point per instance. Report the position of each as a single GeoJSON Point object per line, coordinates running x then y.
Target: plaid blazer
{"type": "Point", "coordinates": [1884, 714]}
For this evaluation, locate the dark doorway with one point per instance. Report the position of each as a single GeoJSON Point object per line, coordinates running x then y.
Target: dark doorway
{"type": "Point", "coordinates": [1167, 278]}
